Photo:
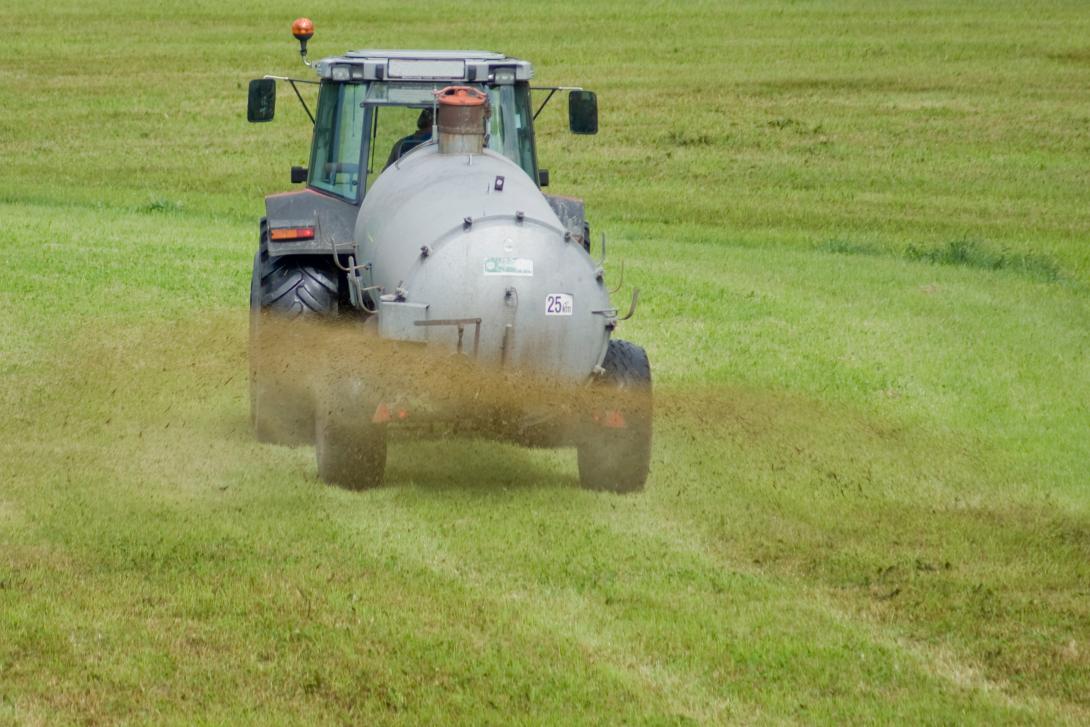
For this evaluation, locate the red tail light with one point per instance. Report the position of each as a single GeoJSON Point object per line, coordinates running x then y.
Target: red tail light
{"type": "Point", "coordinates": [610, 419]}
{"type": "Point", "coordinates": [614, 420]}
{"type": "Point", "coordinates": [382, 414]}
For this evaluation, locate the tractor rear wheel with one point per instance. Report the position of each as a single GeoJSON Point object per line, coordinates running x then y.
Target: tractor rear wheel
{"type": "Point", "coordinates": [284, 293]}
{"type": "Point", "coordinates": [615, 450]}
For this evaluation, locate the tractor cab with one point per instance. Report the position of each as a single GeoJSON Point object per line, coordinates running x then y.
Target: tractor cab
{"type": "Point", "coordinates": [369, 100]}
{"type": "Point", "coordinates": [358, 122]}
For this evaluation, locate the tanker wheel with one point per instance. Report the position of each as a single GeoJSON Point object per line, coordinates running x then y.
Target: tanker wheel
{"type": "Point", "coordinates": [615, 450]}
{"type": "Point", "coordinates": [285, 292]}
{"type": "Point", "coordinates": [351, 450]}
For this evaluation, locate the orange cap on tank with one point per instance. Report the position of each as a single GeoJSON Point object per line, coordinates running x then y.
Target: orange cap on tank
{"type": "Point", "coordinates": [461, 96]}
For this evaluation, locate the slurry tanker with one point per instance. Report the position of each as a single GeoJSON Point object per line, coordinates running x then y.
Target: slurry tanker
{"type": "Point", "coordinates": [442, 275]}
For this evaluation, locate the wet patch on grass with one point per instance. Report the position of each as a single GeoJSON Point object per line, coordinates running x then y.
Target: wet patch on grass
{"type": "Point", "coordinates": [973, 254]}
{"type": "Point", "coordinates": [161, 206]}
{"type": "Point", "coordinates": [961, 253]}
{"type": "Point", "coordinates": [1075, 55]}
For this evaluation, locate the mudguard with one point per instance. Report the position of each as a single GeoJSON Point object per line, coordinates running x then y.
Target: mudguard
{"type": "Point", "coordinates": [572, 214]}
{"type": "Point", "coordinates": [333, 220]}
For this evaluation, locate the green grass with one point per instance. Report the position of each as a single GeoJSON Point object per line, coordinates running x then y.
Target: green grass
{"type": "Point", "coordinates": [860, 234]}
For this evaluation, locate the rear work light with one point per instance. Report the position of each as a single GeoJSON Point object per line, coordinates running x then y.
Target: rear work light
{"type": "Point", "coordinates": [286, 234]}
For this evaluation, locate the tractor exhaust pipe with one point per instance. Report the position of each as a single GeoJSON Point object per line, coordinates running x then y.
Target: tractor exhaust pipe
{"type": "Point", "coordinates": [463, 113]}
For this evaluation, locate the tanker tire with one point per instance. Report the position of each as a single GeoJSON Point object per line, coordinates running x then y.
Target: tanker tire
{"type": "Point", "coordinates": [284, 290]}
{"type": "Point", "coordinates": [350, 449]}
{"type": "Point", "coordinates": [618, 460]}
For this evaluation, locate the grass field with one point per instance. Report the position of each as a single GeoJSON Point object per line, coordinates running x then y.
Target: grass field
{"type": "Point", "coordinates": [862, 235]}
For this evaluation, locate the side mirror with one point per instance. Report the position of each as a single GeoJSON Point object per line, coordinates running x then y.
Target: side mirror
{"type": "Point", "coordinates": [543, 177]}
{"type": "Point", "coordinates": [298, 175]}
{"type": "Point", "coordinates": [261, 102]}
{"type": "Point", "coordinates": [583, 112]}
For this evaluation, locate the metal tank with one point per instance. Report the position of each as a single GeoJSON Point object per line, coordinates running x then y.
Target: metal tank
{"type": "Point", "coordinates": [467, 252]}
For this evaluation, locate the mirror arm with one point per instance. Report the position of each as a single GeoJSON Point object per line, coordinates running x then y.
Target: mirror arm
{"type": "Point", "coordinates": [552, 90]}
{"type": "Point", "coordinates": [298, 95]}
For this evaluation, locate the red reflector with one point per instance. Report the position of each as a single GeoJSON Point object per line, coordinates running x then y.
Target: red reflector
{"type": "Point", "coordinates": [402, 414]}
{"type": "Point", "coordinates": [281, 234]}
{"type": "Point", "coordinates": [382, 414]}
{"type": "Point", "coordinates": [614, 420]}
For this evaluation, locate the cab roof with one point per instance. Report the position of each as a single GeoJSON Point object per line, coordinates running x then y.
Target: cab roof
{"type": "Point", "coordinates": [485, 55]}
{"type": "Point", "coordinates": [424, 65]}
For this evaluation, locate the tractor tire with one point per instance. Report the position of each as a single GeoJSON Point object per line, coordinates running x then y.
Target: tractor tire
{"type": "Point", "coordinates": [619, 459]}
{"type": "Point", "coordinates": [351, 450]}
{"type": "Point", "coordinates": [284, 291]}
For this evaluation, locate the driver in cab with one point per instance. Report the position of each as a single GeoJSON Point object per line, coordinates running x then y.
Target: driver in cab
{"type": "Point", "coordinates": [405, 144]}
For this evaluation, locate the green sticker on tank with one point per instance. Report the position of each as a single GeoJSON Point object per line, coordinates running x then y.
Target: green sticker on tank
{"type": "Point", "coordinates": [508, 266]}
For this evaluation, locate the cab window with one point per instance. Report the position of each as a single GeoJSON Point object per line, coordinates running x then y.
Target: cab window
{"type": "Point", "coordinates": [339, 139]}
{"type": "Point", "coordinates": [510, 129]}
{"type": "Point", "coordinates": [396, 132]}
{"type": "Point", "coordinates": [511, 126]}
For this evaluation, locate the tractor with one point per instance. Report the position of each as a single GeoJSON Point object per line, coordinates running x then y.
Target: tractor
{"type": "Point", "coordinates": [453, 295]}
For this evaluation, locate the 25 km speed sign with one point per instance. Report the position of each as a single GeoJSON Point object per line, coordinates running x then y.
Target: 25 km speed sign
{"type": "Point", "coordinates": [559, 304]}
